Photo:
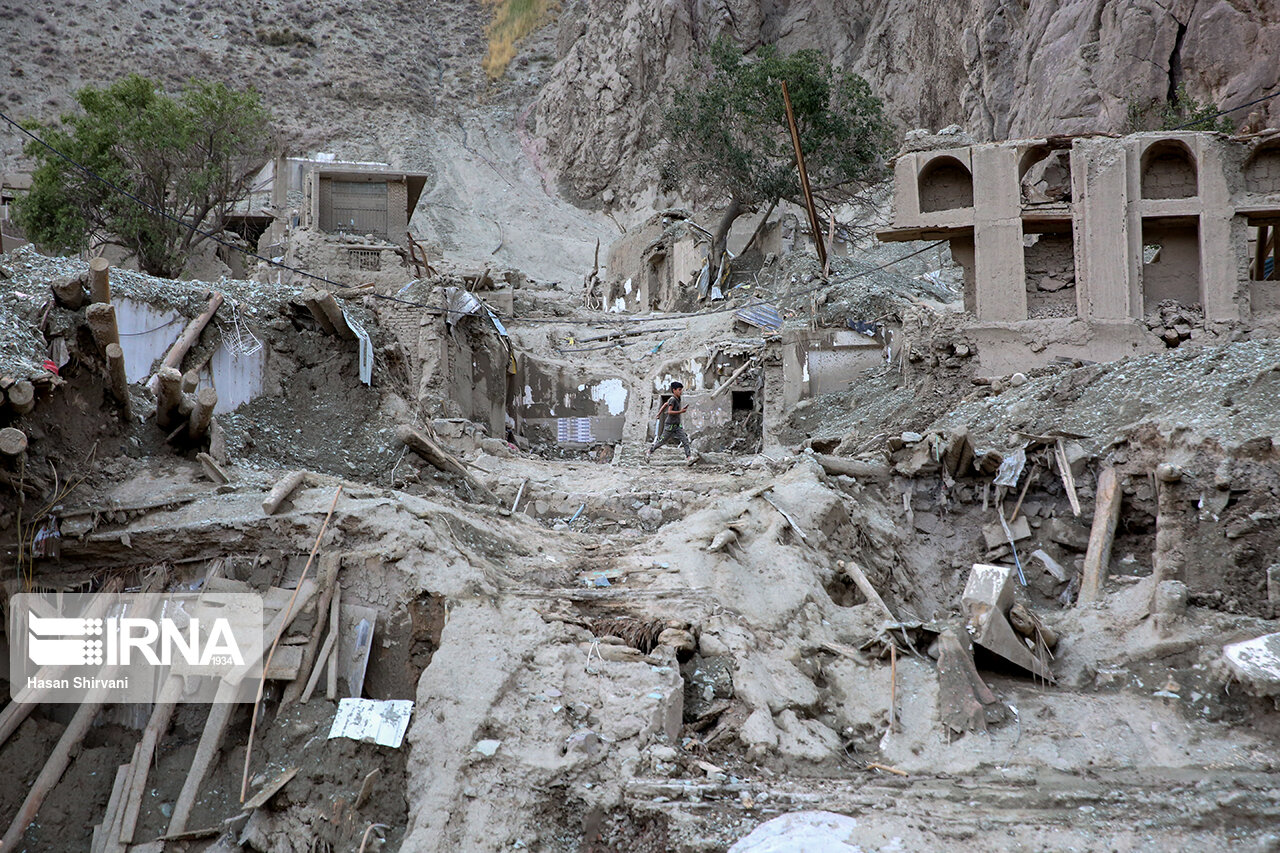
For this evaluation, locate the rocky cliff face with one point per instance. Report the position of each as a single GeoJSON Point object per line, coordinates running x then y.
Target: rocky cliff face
{"type": "Point", "coordinates": [999, 68]}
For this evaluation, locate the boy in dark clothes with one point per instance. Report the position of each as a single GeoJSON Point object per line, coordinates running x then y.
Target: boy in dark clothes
{"type": "Point", "coordinates": [671, 429]}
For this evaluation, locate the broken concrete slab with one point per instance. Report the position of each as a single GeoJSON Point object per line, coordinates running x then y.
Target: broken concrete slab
{"type": "Point", "coordinates": [993, 534]}
{"type": "Point", "coordinates": [1256, 664]}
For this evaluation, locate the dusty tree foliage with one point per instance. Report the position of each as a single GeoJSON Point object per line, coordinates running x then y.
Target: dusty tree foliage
{"type": "Point", "coordinates": [1180, 111]}
{"type": "Point", "coordinates": [727, 131]}
{"type": "Point", "coordinates": [191, 156]}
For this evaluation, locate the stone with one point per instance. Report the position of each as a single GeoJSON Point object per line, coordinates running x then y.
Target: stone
{"type": "Point", "coordinates": [1256, 663]}
{"type": "Point", "coordinates": [989, 585]}
{"type": "Point", "coordinates": [758, 734]}
{"type": "Point", "coordinates": [1273, 583]}
{"type": "Point", "coordinates": [487, 748]}
{"type": "Point", "coordinates": [993, 534]}
{"type": "Point", "coordinates": [1049, 284]}
{"type": "Point", "coordinates": [1066, 532]}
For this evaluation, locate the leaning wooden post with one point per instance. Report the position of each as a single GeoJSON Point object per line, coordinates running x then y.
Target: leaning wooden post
{"type": "Point", "coordinates": [102, 322]}
{"type": "Point", "coordinates": [119, 383]}
{"type": "Point", "coordinates": [57, 764]}
{"type": "Point", "coordinates": [1106, 514]}
{"type": "Point", "coordinates": [99, 280]}
{"type": "Point", "coordinates": [173, 358]}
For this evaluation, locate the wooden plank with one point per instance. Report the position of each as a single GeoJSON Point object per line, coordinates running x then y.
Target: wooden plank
{"type": "Point", "coordinates": [1097, 558]}
{"type": "Point", "coordinates": [157, 725]}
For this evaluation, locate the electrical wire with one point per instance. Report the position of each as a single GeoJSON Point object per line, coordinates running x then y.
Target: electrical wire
{"type": "Point", "coordinates": [431, 309]}
{"type": "Point", "coordinates": [1275, 94]}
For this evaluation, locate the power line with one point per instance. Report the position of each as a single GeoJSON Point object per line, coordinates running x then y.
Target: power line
{"type": "Point", "coordinates": [1221, 113]}
{"type": "Point", "coordinates": [431, 309]}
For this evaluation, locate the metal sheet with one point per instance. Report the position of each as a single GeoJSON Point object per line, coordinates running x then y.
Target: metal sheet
{"type": "Point", "coordinates": [762, 315]}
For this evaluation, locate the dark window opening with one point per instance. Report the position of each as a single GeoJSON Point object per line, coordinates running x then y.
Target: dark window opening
{"type": "Point", "coordinates": [744, 401]}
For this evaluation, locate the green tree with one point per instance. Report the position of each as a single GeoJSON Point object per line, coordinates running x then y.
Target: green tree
{"type": "Point", "coordinates": [727, 132]}
{"type": "Point", "coordinates": [1181, 111]}
{"type": "Point", "coordinates": [191, 156]}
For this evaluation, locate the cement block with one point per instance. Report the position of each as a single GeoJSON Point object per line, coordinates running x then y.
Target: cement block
{"type": "Point", "coordinates": [1256, 663]}
{"type": "Point", "coordinates": [989, 585]}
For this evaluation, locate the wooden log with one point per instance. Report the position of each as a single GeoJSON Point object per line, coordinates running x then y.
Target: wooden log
{"type": "Point", "coordinates": [212, 469]}
{"type": "Point", "coordinates": [157, 725]}
{"type": "Point", "coordinates": [321, 665]}
{"type": "Point", "coordinates": [69, 291]}
{"type": "Point", "coordinates": [102, 322]}
{"type": "Point", "coordinates": [99, 280]}
{"type": "Point", "coordinates": [117, 381]}
{"type": "Point", "coordinates": [310, 299]}
{"type": "Point", "coordinates": [13, 441]}
{"type": "Point", "coordinates": [220, 717]}
{"type": "Point", "coordinates": [856, 468]}
{"type": "Point", "coordinates": [1106, 515]}
{"type": "Point", "coordinates": [331, 564]}
{"type": "Point", "coordinates": [22, 396]}
{"type": "Point", "coordinates": [442, 459]}
{"type": "Point", "coordinates": [52, 772]}
{"type": "Point", "coordinates": [333, 311]}
{"type": "Point", "coordinates": [206, 400]}
{"type": "Point", "coordinates": [190, 382]}
{"type": "Point", "coordinates": [335, 629]}
{"type": "Point", "coordinates": [281, 490]}
{"type": "Point", "coordinates": [210, 738]}
{"type": "Point", "coordinates": [859, 577]}
{"type": "Point", "coordinates": [168, 397]}
{"type": "Point", "coordinates": [733, 377]}
{"type": "Point", "coordinates": [173, 358]}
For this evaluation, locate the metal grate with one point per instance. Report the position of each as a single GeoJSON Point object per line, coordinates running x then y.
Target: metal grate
{"type": "Point", "coordinates": [364, 259]}
{"type": "Point", "coordinates": [357, 207]}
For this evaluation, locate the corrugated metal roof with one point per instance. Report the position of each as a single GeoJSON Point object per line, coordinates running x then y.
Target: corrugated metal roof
{"type": "Point", "coordinates": [761, 315]}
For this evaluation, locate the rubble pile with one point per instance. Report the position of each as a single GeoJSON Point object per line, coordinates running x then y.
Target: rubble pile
{"type": "Point", "coordinates": [912, 597]}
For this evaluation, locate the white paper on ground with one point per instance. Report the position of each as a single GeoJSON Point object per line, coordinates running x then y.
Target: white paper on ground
{"type": "Point", "coordinates": [383, 722]}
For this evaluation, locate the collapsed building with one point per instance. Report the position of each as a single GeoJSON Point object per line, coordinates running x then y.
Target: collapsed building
{"type": "Point", "coordinates": [1090, 236]}
{"type": "Point", "coordinates": [950, 587]}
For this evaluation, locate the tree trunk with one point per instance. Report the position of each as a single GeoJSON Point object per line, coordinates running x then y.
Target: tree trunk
{"type": "Point", "coordinates": [720, 238]}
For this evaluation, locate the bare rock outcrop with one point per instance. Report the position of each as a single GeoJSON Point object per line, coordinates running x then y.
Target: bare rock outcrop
{"type": "Point", "coordinates": [998, 68]}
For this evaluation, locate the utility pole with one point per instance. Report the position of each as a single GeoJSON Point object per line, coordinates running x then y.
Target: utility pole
{"type": "Point", "coordinates": [815, 227]}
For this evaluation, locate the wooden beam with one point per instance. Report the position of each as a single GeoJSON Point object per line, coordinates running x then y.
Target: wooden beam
{"type": "Point", "coordinates": [52, 772]}
{"type": "Point", "coordinates": [168, 388]}
{"type": "Point", "coordinates": [733, 377]}
{"type": "Point", "coordinates": [102, 322]}
{"type": "Point", "coordinates": [157, 725]}
{"type": "Point", "coordinates": [281, 491]}
{"type": "Point", "coordinates": [173, 358]}
{"type": "Point", "coordinates": [442, 459]}
{"type": "Point", "coordinates": [814, 225]}
{"type": "Point", "coordinates": [333, 311]}
{"type": "Point", "coordinates": [1097, 558]}
{"type": "Point", "coordinates": [330, 565]}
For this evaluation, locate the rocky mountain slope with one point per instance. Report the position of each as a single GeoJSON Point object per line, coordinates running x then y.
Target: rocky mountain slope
{"type": "Point", "coordinates": [999, 68]}
{"type": "Point", "coordinates": [401, 81]}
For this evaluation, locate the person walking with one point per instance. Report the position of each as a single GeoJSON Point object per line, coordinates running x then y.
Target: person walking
{"type": "Point", "coordinates": [670, 428]}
